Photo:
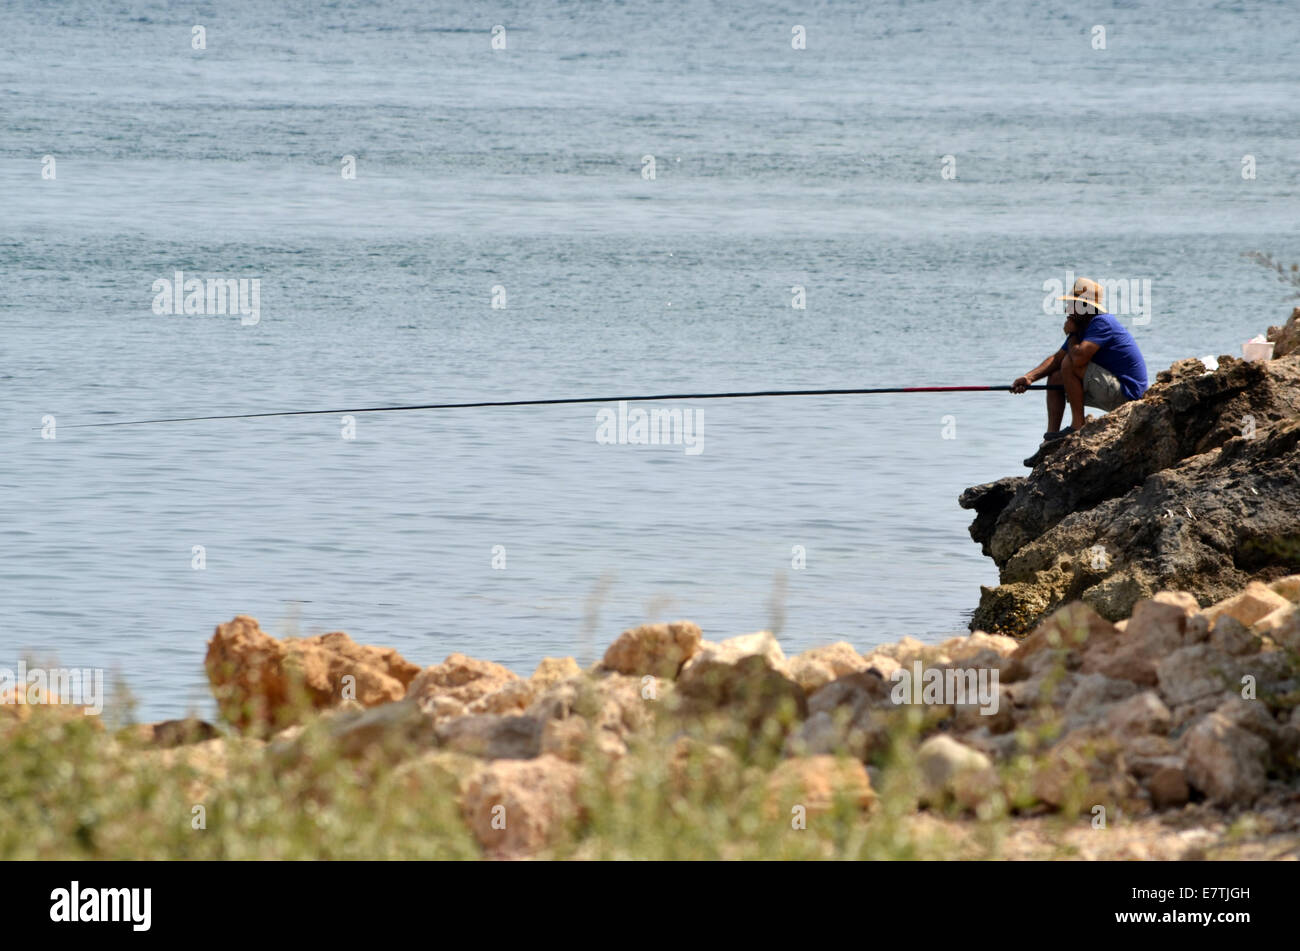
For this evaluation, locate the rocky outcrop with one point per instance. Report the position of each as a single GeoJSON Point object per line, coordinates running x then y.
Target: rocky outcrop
{"type": "Point", "coordinates": [1286, 339]}
{"type": "Point", "coordinates": [261, 682]}
{"type": "Point", "coordinates": [1191, 488]}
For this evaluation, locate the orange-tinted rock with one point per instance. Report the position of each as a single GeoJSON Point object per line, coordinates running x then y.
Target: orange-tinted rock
{"type": "Point", "coordinates": [515, 807]}
{"type": "Point", "coordinates": [655, 649]}
{"type": "Point", "coordinates": [461, 678]}
{"type": "Point", "coordinates": [261, 682]}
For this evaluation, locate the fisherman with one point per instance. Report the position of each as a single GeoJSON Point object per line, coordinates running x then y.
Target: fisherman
{"type": "Point", "coordinates": [1099, 365]}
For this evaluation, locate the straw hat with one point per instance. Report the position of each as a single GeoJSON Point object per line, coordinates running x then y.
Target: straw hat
{"type": "Point", "coordinates": [1087, 292]}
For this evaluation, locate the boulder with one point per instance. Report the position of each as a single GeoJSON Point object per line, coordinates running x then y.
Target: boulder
{"type": "Point", "coordinates": [460, 678]}
{"type": "Point", "coordinates": [515, 808]}
{"type": "Point", "coordinates": [1288, 587]}
{"type": "Point", "coordinates": [815, 668]}
{"type": "Point", "coordinates": [1138, 715]}
{"type": "Point", "coordinates": [1286, 339]}
{"type": "Point", "coordinates": [261, 683]}
{"type": "Point", "coordinates": [602, 712]}
{"type": "Point", "coordinates": [815, 782]}
{"type": "Point", "coordinates": [1249, 606]}
{"type": "Point", "coordinates": [553, 670]}
{"type": "Point", "coordinates": [1085, 768]}
{"type": "Point", "coordinates": [976, 645]}
{"type": "Point", "coordinates": [492, 737]}
{"type": "Point", "coordinates": [658, 650]}
{"type": "Point", "coordinates": [1167, 786]}
{"type": "Point", "coordinates": [1159, 626]}
{"type": "Point", "coordinates": [951, 771]}
{"type": "Point", "coordinates": [514, 696]}
{"type": "Point", "coordinates": [1095, 696]}
{"type": "Point", "coordinates": [746, 676]}
{"type": "Point", "coordinates": [394, 731]}
{"type": "Point", "coordinates": [1193, 673]}
{"type": "Point", "coordinates": [1226, 762]}
{"type": "Point", "coordinates": [1073, 627]}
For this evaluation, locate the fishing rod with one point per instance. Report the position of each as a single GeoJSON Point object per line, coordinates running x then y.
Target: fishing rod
{"type": "Point", "coordinates": [661, 397]}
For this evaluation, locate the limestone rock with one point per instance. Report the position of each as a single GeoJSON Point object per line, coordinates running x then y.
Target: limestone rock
{"type": "Point", "coordinates": [606, 711]}
{"type": "Point", "coordinates": [815, 668]}
{"type": "Point", "coordinates": [553, 670]}
{"type": "Point", "coordinates": [1286, 339]}
{"type": "Point", "coordinates": [1093, 696]}
{"type": "Point", "coordinates": [261, 682]}
{"type": "Point", "coordinates": [492, 737]}
{"type": "Point", "coordinates": [1226, 762]}
{"type": "Point", "coordinates": [655, 649]}
{"type": "Point", "coordinates": [1143, 713]}
{"type": "Point", "coordinates": [514, 696]}
{"type": "Point", "coordinates": [814, 782]}
{"type": "Point", "coordinates": [461, 678]}
{"type": "Point", "coordinates": [748, 676]}
{"type": "Point", "coordinates": [1288, 587]}
{"type": "Point", "coordinates": [950, 770]}
{"type": "Point", "coordinates": [1085, 768]}
{"type": "Point", "coordinates": [515, 808]}
{"type": "Point", "coordinates": [1248, 606]}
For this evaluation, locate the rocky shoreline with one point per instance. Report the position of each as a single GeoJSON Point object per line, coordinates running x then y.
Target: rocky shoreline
{"type": "Point", "coordinates": [1174, 708]}
{"type": "Point", "coordinates": [1150, 709]}
{"type": "Point", "coordinates": [1192, 488]}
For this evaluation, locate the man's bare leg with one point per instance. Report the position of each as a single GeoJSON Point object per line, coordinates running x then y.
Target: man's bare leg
{"type": "Point", "coordinates": [1055, 403]}
{"type": "Point", "coordinates": [1073, 380]}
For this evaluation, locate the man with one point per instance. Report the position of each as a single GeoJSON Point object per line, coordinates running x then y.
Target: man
{"type": "Point", "coordinates": [1099, 364]}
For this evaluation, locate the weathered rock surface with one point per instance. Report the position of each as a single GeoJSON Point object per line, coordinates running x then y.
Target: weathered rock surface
{"type": "Point", "coordinates": [261, 682]}
{"type": "Point", "coordinates": [460, 678]}
{"type": "Point", "coordinates": [953, 771]}
{"type": "Point", "coordinates": [658, 650]}
{"type": "Point", "coordinates": [601, 712]}
{"type": "Point", "coordinates": [1191, 488]}
{"type": "Point", "coordinates": [815, 668]}
{"type": "Point", "coordinates": [747, 676]}
{"type": "Point", "coordinates": [813, 783]}
{"type": "Point", "coordinates": [1286, 339]}
{"type": "Point", "coordinates": [515, 808]}
{"type": "Point", "coordinates": [492, 737]}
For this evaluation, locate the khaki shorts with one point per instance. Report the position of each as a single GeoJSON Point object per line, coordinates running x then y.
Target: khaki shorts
{"type": "Point", "coordinates": [1102, 389]}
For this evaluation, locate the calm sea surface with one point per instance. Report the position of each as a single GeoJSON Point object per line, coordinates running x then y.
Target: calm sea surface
{"type": "Point", "coordinates": [523, 168]}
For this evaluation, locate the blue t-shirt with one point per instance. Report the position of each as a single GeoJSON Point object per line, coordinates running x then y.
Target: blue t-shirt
{"type": "Point", "coordinates": [1117, 352]}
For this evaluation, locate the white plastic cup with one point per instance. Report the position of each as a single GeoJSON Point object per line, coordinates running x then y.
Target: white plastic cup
{"type": "Point", "coordinates": [1254, 352]}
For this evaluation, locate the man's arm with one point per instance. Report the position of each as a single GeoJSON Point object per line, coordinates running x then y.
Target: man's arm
{"type": "Point", "coordinates": [1044, 369]}
{"type": "Point", "coordinates": [1081, 351]}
